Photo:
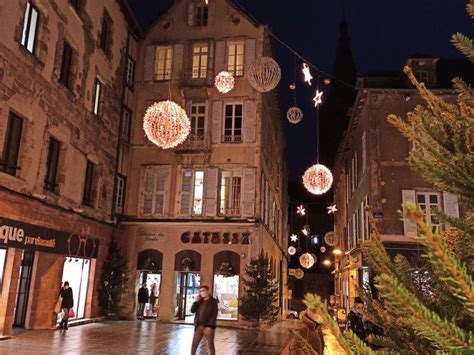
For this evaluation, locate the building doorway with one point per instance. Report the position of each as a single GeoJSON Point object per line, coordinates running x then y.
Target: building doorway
{"type": "Point", "coordinates": [187, 288]}
{"type": "Point", "coordinates": [23, 289]}
{"type": "Point", "coordinates": [76, 272]}
{"type": "Point", "coordinates": [153, 284]}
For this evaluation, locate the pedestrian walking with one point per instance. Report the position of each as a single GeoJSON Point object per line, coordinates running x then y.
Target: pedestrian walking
{"type": "Point", "coordinates": [143, 297]}
{"type": "Point", "coordinates": [355, 320]}
{"type": "Point", "coordinates": [67, 302]}
{"type": "Point", "coordinates": [205, 308]}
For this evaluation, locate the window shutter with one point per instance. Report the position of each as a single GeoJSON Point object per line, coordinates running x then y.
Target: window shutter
{"type": "Point", "coordinates": [148, 192]}
{"type": "Point", "coordinates": [220, 56]}
{"type": "Point", "coordinates": [211, 12]}
{"type": "Point", "coordinates": [186, 193]}
{"type": "Point", "coordinates": [160, 192]}
{"type": "Point", "coordinates": [178, 52]}
{"type": "Point", "coordinates": [249, 52]}
{"type": "Point", "coordinates": [249, 121]}
{"type": "Point", "coordinates": [364, 153]}
{"type": "Point", "coordinates": [211, 188]}
{"type": "Point", "coordinates": [409, 228]}
{"type": "Point", "coordinates": [248, 188]}
{"type": "Point", "coordinates": [450, 204]}
{"type": "Point", "coordinates": [188, 107]}
{"type": "Point", "coordinates": [191, 13]}
{"type": "Point", "coordinates": [149, 70]}
{"type": "Point", "coordinates": [217, 118]}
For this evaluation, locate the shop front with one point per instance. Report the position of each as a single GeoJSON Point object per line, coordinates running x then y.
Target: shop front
{"type": "Point", "coordinates": [183, 257]}
{"type": "Point", "coordinates": [34, 263]}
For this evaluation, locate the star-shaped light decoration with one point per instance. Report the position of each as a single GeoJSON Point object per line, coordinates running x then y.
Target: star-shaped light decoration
{"type": "Point", "coordinates": [307, 74]}
{"type": "Point", "coordinates": [294, 238]}
{"type": "Point", "coordinates": [332, 209]}
{"type": "Point", "coordinates": [301, 210]}
{"type": "Point", "coordinates": [318, 98]}
{"type": "Point", "coordinates": [306, 230]}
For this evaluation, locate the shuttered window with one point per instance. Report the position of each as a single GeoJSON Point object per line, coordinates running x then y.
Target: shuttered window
{"type": "Point", "coordinates": [11, 146]}
{"type": "Point", "coordinates": [192, 193]}
{"type": "Point", "coordinates": [429, 203]}
{"type": "Point", "coordinates": [120, 184]}
{"type": "Point", "coordinates": [233, 123]}
{"type": "Point", "coordinates": [200, 60]}
{"type": "Point", "coordinates": [154, 191]}
{"type": "Point", "coordinates": [88, 181]}
{"type": "Point", "coordinates": [230, 193]}
{"type": "Point", "coordinates": [130, 72]}
{"type": "Point", "coordinates": [198, 119]}
{"type": "Point", "coordinates": [96, 109]}
{"type": "Point", "coordinates": [64, 77]}
{"type": "Point", "coordinates": [125, 124]}
{"type": "Point", "coordinates": [202, 13]}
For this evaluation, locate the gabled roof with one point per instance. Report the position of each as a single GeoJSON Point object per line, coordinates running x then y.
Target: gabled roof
{"type": "Point", "coordinates": [232, 3]}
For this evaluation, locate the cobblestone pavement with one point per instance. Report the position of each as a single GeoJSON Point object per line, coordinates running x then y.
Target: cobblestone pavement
{"type": "Point", "coordinates": [147, 337]}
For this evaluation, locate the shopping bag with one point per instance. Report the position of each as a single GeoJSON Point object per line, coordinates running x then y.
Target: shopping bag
{"type": "Point", "coordinates": [71, 313]}
{"type": "Point", "coordinates": [57, 306]}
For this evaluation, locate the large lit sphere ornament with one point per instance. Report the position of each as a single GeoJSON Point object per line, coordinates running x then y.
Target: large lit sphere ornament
{"type": "Point", "coordinates": [294, 114]}
{"type": "Point", "coordinates": [224, 82]}
{"type": "Point", "coordinates": [330, 239]}
{"type": "Point", "coordinates": [166, 124]}
{"type": "Point", "coordinates": [264, 74]}
{"type": "Point", "coordinates": [317, 179]}
{"type": "Point", "coordinates": [291, 250]}
{"type": "Point", "coordinates": [307, 260]}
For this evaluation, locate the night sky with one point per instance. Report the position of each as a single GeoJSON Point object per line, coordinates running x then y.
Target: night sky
{"type": "Point", "coordinates": [383, 34]}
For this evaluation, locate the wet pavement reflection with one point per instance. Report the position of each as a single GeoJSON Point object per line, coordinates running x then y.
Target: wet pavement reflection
{"type": "Point", "coordinates": [142, 337]}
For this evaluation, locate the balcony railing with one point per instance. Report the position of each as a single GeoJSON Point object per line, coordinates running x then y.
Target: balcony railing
{"type": "Point", "coordinates": [194, 143]}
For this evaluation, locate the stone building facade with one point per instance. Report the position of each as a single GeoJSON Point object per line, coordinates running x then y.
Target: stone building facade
{"type": "Point", "coordinates": [197, 213]}
{"type": "Point", "coordinates": [372, 169]}
{"type": "Point", "coordinates": [65, 71]}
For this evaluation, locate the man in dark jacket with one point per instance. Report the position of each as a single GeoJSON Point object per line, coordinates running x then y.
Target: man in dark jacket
{"type": "Point", "coordinates": [205, 308]}
{"type": "Point", "coordinates": [142, 300]}
{"type": "Point", "coordinates": [355, 321]}
{"type": "Point", "coordinates": [67, 302]}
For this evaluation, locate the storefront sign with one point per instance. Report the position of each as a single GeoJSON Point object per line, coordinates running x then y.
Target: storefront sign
{"type": "Point", "coordinates": [152, 236]}
{"type": "Point", "coordinates": [14, 234]}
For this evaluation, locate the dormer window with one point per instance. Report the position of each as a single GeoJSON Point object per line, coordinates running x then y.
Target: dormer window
{"type": "Point", "coordinates": [202, 11]}
{"type": "Point", "coordinates": [421, 76]}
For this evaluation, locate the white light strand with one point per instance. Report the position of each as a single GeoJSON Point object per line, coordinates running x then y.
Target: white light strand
{"type": "Point", "coordinates": [307, 74]}
{"type": "Point", "coordinates": [318, 98]}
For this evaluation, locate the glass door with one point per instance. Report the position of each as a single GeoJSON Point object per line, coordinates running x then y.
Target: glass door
{"type": "Point", "coordinates": [153, 284]}
{"type": "Point", "coordinates": [23, 290]}
{"type": "Point", "coordinates": [187, 288]}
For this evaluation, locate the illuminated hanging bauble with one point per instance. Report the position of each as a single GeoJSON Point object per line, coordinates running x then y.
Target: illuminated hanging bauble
{"type": "Point", "coordinates": [317, 179]}
{"type": "Point", "coordinates": [322, 249]}
{"type": "Point", "coordinates": [166, 124]}
{"type": "Point", "coordinates": [330, 239]}
{"type": "Point", "coordinates": [307, 260]}
{"type": "Point", "coordinates": [224, 82]}
{"type": "Point", "coordinates": [327, 81]}
{"type": "Point", "coordinates": [291, 250]}
{"type": "Point", "coordinates": [294, 114]}
{"type": "Point", "coordinates": [292, 86]}
{"type": "Point", "coordinates": [264, 74]}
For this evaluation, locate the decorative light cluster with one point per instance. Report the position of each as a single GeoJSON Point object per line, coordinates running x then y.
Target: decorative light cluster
{"type": "Point", "coordinates": [317, 179]}
{"type": "Point", "coordinates": [294, 115]}
{"type": "Point", "coordinates": [291, 250]}
{"type": "Point", "coordinates": [224, 82]}
{"type": "Point", "coordinates": [330, 239]}
{"type": "Point", "coordinates": [166, 124]}
{"type": "Point", "coordinates": [307, 260]}
{"type": "Point", "coordinates": [301, 210]}
{"type": "Point", "coordinates": [307, 74]}
{"type": "Point", "coordinates": [264, 74]}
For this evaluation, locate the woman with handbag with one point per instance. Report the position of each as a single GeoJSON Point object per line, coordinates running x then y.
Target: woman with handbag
{"type": "Point", "coordinates": [67, 303]}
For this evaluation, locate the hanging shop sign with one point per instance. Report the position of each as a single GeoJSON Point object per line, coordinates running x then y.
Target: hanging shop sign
{"type": "Point", "coordinates": [15, 234]}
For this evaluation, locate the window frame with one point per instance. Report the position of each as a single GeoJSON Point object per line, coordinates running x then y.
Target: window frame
{"type": "Point", "coordinates": [233, 137]}
{"type": "Point", "coordinates": [11, 147]}
{"type": "Point", "coordinates": [196, 116]}
{"type": "Point", "coordinates": [201, 16]}
{"type": "Point", "coordinates": [87, 198]}
{"type": "Point", "coordinates": [74, 4]}
{"type": "Point", "coordinates": [127, 125]}
{"type": "Point", "coordinates": [52, 165]}
{"type": "Point", "coordinates": [236, 208]}
{"type": "Point", "coordinates": [104, 34]}
{"type": "Point", "coordinates": [26, 32]}
{"type": "Point", "coordinates": [234, 69]}
{"type": "Point", "coordinates": [129, 74]}
{"type": "Point", "coordinates": [98, 95]}
{"type": "Point", "coordinates": [428, 215]}
{"type": "Point", "coordinates": [155, 170]}
{"type": "Point", "coordinates": [167, 73]}
{"type": "Point", "coordinates": [202, 70]}
{"type": "Point", "coordinates": [66, 62]}
{"type": "Point", "coordinates": [118, 196]}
